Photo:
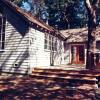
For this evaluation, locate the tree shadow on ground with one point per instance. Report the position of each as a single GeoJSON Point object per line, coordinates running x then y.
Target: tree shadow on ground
{"type": "Point", "coordinates": [27, 88]}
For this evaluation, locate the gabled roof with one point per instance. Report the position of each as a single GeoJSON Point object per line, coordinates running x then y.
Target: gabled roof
{"type": "Point", "coordinates": [79, 35]}
{"type": "Point", "coordinates": [31, 19]}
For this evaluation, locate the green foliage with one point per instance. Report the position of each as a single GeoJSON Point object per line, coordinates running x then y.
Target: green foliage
{"type": "Point", "coordinates": [61, 14]}
{"type": "Point", "coordinates": [66, 13]}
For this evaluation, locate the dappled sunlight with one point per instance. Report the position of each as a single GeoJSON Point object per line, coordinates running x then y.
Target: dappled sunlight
{"type": "Point", "coordinates": [16, 52]}
{"type": "Point", "coordinates": [66, 87]}
{"type": "Point", "coordinates": [19, 88]}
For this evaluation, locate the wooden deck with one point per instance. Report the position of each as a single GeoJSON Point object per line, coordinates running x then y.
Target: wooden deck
{"type": "Point", "coordinates": [65, 67]}
{"type": "Point", "coordinates": [70, 75]}
{"type": "Point", "coordinates": [50, 84]}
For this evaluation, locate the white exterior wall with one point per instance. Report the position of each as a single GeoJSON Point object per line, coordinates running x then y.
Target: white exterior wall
{"type": "Point", "coordinates": [38, 55]}
{"type": "Point", "coordinates": [26, 51]}
{"type": "Point", "coordinates": [15, 57]}
{"type": "Point", "coordinates": [59, 54]}
{"type": "Point", "coordinates": [67, 54]}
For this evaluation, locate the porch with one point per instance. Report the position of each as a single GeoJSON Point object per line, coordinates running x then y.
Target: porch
{"type": "Point", "coordinates": [65, 67]}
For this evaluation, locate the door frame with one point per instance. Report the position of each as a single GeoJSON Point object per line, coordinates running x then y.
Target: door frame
{"type": "Point", "coordinates": [97, 60]}
{"type": "Point", "coordinates": [80, 44]}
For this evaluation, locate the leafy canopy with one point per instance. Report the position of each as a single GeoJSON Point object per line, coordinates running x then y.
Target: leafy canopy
{"type": "Point", "coordinates": [61, 14]}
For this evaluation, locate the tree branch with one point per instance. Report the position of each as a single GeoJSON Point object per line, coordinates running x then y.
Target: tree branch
{"type": "Point", "coordinates": [88, 5]}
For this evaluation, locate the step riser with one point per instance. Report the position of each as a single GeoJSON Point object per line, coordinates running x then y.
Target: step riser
{"type": "Point", "coordinates": [67, 80]}
{"type": "Point", "coordinates": [67, 77]}
{"type": "Point", "coordinates": [69, 71]}
{"type": "Point", "coordinates": [64, 74]}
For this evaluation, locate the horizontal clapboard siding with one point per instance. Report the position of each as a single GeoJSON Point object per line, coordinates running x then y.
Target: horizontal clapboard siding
{"type": "Point", "coordinates": [38, 55]}
{"type": "Point", "coordinates": [15, 57]}
{"type": "Point", "coordinates": [24, 45]}
{"type": "Point", "coordinates": [59, 54]}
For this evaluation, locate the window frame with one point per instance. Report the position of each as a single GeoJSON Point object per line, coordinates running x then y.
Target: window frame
{"type": "Point", "coordinates": [50, 42]}
{"type": "Point", "coordinates": [2, 32]}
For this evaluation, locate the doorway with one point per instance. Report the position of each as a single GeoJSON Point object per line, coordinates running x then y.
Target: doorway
{"type": "Point", "coordinates": [77, 54]}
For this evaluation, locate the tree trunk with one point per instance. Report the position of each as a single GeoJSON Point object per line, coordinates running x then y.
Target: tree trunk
{"type": "Point", "coordinates": [91, 44]}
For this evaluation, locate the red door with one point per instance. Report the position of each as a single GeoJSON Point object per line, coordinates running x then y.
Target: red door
{"type": "Point", "coordinates": [77, 54]}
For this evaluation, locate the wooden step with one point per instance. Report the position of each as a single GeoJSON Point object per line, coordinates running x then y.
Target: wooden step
{"type": "Point", "coordinates": [88, 72]}
{"type": "Point", "coordinates": [68, 78]}
{"type": "Point", "coordinates": [64, 74]}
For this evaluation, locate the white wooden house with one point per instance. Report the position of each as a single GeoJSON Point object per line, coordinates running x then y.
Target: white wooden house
{"type": "Point", "coordinates": [26, 42]}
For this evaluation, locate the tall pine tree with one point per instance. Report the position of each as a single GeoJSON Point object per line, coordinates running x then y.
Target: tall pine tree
{"type": "Point", "coordinates": [91, 6]}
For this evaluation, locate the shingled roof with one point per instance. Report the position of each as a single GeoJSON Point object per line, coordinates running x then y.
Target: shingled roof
{"type": "Point", "coordinates": [78, 35]}
{"type": "Point", "coordinates": [31, 19]}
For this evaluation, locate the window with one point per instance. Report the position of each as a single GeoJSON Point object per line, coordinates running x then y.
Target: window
{"type": "Point", "coordinates": [50, 42]}
{"type": "Point", "coordinates": [54, 43]}
{"type": "Point", "coordinates": [2, 32]}
{"type": "Point", "coordinates": [46, 41]}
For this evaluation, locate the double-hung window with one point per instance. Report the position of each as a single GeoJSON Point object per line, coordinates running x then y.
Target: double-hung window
{"type": "Point", "coordinates": [50, 42]}
{"type": "Point", "coordinates": [46, 41]}
{"type": "Point", "coordinates": [2, 32]}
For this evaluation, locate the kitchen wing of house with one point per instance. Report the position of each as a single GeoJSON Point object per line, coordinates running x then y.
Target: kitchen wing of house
{"type": "Point", "coordinates": [76, 46]}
